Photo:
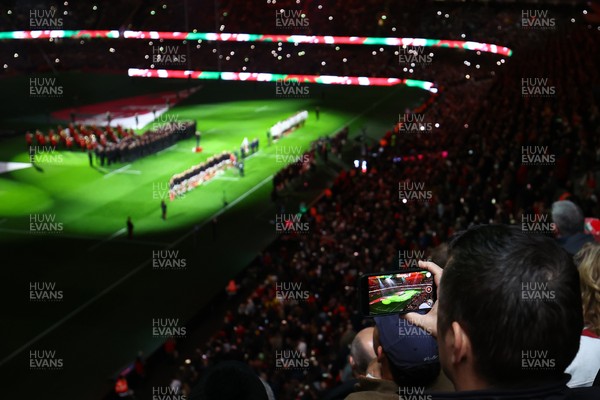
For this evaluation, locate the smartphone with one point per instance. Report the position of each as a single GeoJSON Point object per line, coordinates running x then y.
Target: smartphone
{"type": "Point", "coordinates": [396, 292]}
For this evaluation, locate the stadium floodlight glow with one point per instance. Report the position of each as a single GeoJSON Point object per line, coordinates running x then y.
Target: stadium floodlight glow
{"type": "Point", "coordinates": [268, 77]}
{"type": "Point", "coordinates": [248, 37]}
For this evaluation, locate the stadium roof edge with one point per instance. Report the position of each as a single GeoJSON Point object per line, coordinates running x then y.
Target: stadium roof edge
{"type": "Point", "coordinates": [246, 37]}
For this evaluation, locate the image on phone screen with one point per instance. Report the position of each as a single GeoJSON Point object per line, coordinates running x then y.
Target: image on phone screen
{"type": "Point", "coordinates": [399, 292]}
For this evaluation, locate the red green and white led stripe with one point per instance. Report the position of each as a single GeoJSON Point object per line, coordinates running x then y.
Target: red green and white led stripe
{"type": "Point", "coordinates": [267, 77]}
{"type": "Point", "coordinates": [246, 37]}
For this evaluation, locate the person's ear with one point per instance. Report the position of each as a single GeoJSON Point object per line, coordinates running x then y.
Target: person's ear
{"type": "Point", "coordinates": [379, 353]}
{"type": "Point", "coordinates": [351, 361]}
{"type": "Point", "coordinates": [460, 344]}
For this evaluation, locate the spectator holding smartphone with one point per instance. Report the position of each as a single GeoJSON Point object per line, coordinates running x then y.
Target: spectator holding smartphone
{"type": "Point", "coordinates": [508, 316]}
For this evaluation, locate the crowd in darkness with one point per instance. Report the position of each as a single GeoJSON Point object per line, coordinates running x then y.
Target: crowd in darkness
{"type": "Point", "coordinates": [307, 161]}
{"type": "Point", "coordinates": [473, 167]}
{"type": "Point", "coordinates": [408, 18]}
{"type": "Point", "coordinates": [463, 22]}
{"type": "Point", "coordinates": [471, 164]}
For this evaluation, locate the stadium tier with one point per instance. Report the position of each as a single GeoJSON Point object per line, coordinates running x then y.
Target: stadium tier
{"type": "Point", "coordinates": [300, 200]}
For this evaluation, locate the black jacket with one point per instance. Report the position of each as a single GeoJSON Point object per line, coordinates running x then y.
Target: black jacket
{"type": "Point", "coordinates": [551, 391]}
{"type": "Point", "coordinates": [572, 244]}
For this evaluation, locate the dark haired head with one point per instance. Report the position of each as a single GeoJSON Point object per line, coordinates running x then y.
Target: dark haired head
{"type": "Point", "coordinates": [517, 298]}
{"type": "Point", "coordinates": [418, 376]}
{"type": "Point", "coordinates": [230, 380]}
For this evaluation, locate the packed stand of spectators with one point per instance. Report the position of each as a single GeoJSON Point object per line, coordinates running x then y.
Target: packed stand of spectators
{"type": "Point", "coordinates": [478, 21]}
{"type": "Point", "coordinates": [307, 161]}
{"type": "Point", "coordinates": [44, 15]}
{"type": "Point", "coordinates": [413, 18]}
{"type": "Point", "coordinates": [447, 65]}
{"type": "Point", "coordinates": [499, 27]}
{"type": "Point", "coordinates": [472, 166]}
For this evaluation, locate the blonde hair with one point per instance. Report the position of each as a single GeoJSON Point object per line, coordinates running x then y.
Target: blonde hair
{"type": "Point", "coordinates": [588, 262]}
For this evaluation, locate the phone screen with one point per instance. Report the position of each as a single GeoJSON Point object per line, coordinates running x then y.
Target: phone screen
{"type": "Point", "coordinates": [397, 292]}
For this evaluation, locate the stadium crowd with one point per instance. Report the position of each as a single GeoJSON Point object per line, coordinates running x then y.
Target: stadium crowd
{"type": "Point", "coordinates": [306, 162]}
{"type": "Point", "coordinates": [444, 21]}
{"type": "Point", "coordinates": [373, 18]}
{"type": "Point", "coordinates": [473, 167]}
{"type": "Point", "coordinates": [412, 18]}
{"type": "Point", "coordinates": [470, 166]}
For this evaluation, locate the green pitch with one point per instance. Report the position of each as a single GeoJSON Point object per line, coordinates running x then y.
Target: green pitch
{"type": "Point", "coordinates": [111, 289]}
{"type": "Point", "coordinates": [400, 298]}
{"type": "Point", "coordinates": [394, 303]}
{"type": "Point", "coordinates": [89, 200]}
{"type": "Point", "coordinates": [97, 202]}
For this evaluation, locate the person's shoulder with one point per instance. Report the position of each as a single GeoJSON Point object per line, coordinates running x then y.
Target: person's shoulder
{"type": "Point", "coordinates": [585, 393]}
{"type": "Point", "coordinates": [540, 393]}
{"type": "Point", "coordinates": [372, 395]}
{"type": "Point", "coordinates": [341, 391]}
{"type": "Point", "coordinates": [371, 388]}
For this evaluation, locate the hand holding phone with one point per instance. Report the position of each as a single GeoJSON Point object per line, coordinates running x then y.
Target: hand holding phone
{"type": "Point", "coordinates": [428, 321]}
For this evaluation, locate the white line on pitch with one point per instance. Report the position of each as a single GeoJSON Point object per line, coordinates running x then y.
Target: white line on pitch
{"type": "Point", "coordinates": [63, 235]}
{"type": "Point", "coordinates": [260, 154]}
{"type": "Point", "coordinates": [122, 279]}
{"type": "Point", "coordinates": [73, 313]}
{"type": "Point", "coordinates": [250, 156]}
{"type": "Point", "coordinates": [168, 149]}
{"type": "Point", "coordinates": [116, 171]}
{"type": "Point", "coordinates": [111, 237]}
{"type": "Point", "coordinates": [30, 233]}
{"type": "Point", "coordinates": [142, 265]}
{"type": "Point", "coordinates": [221, 211]}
